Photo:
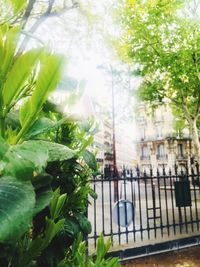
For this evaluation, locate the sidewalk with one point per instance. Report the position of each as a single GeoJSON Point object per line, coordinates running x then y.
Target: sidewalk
{"type": "Point", "coordinates": [189, 257]}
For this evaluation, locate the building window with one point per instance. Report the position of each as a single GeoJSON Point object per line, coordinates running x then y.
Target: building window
{"type": "Point", "coordinates": [180, 151]}
{"type": "Point", "coordinates": [161, 152]}
{"type": "Point", "coordinates": [145, 152]}
{"type": "Point", "coordinates": [141, 120]}
{"type": "Point", "coordinates": [143, 134]}
{"type": "Point", "coordinates": [159, 134]}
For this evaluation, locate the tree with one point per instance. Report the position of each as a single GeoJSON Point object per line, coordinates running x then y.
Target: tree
{"type": "Point", "coordinates": [163, 38]}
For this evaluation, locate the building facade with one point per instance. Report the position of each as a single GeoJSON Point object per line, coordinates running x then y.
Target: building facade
{"type": "Point", "coordinates": [158, 143]}
{"type": "Point", "coordinates": [124, 147]}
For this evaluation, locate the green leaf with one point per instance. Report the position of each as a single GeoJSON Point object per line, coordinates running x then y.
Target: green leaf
{"type": "Point", "coordinates": [3, 147]}
{"type": "Point", "coordinates": [84, 223]}
{"type": "Point", "coordinates": [87, 142]}
{"type": "Point", "coordinates": [23, 112]}
{"type": "Point", "coordinates": [12, 119]}
{"type": "Point", "coordinates": [18, 5]}
{"type": "Point", "coordinates": [21, 160]}
{"type": "Point", "coordinates": [90, 159]}
{"type": "Point", "coordinates": [42, 180]}
{"type": "Point", "coordinates": [20, 71]}
{"type": "Point", "coordinates": [71, 227]}
{"type": "Point", "coordinates": [93, 194]}
{"type": "Point", "coordinates": [100, 247]}
{"type": "Point", "coordinates": [57, 152]}
{"type": "Point", "coordinates": [59, 205]}
{"type": "Point", "coordinates": [43, 199]}
{"type": "Point", "coordinates": [112, 262]}
{"type": "Point", "coordinates": [17, 201]}
{"type": "Point", "coordinates": [47, 80]}
{"type": "Point", "coordinates": [43, 125]}
{"type": "Point", "coordinates": [9, 48]}
{"type": "Point", "coordinates": [54, 201]}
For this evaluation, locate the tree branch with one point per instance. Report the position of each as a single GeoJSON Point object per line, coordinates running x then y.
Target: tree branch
{"type": "Point", "coordinates": [151, 45]}
{"type": "Point", "coordinates": [198, 104]}
{"type": "Point", "coordinates": [28, 11]}
{"type": "Point", "coordinates": [43, 17]}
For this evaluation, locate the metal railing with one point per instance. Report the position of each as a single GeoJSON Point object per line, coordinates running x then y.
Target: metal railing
{"type": "Point", "coordinates": [148, 208]}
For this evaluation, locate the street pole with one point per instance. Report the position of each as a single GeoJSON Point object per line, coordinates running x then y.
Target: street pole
{"type": "Point", "coordinates": [114, 142]}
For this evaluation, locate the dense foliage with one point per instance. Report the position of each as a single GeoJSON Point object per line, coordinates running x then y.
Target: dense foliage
{"type": "Point", "coordinates": [162, 39]}
{"type": "Point", "coordinates": [44, 161]}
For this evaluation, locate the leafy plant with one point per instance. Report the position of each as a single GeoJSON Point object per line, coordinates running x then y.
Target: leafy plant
{"type": "Point", "coordinates": [79, 257]}
{"type": "Point", "coordinates": [43, 175]}
{"type": "Point", "coordinates": [44, 161]}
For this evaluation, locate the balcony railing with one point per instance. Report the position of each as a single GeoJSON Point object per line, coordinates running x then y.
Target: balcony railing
{"type": "Point", "coordinates": [145, 157]}
{"type": "Point", "coordinates": [161, 157]}
{"type": "Point", "coordinates": [181, 157]}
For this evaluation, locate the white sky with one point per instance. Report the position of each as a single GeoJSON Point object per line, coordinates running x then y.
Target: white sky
{"type": "Point", "coordinates": [85, 49]}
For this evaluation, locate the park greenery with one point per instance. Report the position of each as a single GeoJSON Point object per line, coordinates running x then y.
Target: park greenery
{"type": "Point", "coordinates": [162, 39]}
{"type": "Point", "coordinates": [44, 161]}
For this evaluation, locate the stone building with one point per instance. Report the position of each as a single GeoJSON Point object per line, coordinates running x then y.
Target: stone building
{"type": "Point", "coordinates": [125, 148]}
{"type": "Point", "coordinates": [158, 143]}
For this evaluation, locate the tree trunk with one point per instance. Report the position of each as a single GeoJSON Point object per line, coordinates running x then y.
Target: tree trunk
{"type": "Point", "coordinates": [195, 139]}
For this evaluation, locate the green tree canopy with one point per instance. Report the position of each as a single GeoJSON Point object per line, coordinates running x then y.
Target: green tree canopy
{"type": "Point", "coordinates": [163, 39]}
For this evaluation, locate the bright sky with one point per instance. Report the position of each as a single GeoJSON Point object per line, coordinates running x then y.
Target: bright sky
{"type": "Point", "coordinates": [85, 48]}
{"type": "Point", "coordinates": [95, 80]}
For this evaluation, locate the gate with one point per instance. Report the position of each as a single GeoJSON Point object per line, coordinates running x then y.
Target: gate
{"type": "Point", "coordinates": [146, 213]}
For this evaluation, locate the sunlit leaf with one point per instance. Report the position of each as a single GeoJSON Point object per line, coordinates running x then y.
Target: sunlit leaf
{"type": "Point", "coordinates": [57, 152]}
{"type": "Point", "coordinates": [48, 77]}
{"type": "Point", "coordinates": [43, 125]}
{"type": "Point", "coordinates": [22, 160]}
{"type": "Point", "coordinates": [18, 74]}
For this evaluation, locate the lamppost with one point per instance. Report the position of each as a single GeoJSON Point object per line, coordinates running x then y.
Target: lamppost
{"type": "Point", "coordinates": [115, 182]}
{"type": "Point", "coordinates": [114, 140]}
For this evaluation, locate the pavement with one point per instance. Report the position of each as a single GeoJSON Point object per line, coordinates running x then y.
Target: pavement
{"type": "Point", "coordinates": [188, 257]}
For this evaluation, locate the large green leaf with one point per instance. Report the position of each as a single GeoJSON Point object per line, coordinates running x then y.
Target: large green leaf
{"type": "Point", "coordinates": [3, 147]}
{"type": "Point", "coordinates": [90, 159]}
{"type": "Point", "coordinates": [48, 77]}
{"type": "Point", "coordinates": [41, 126]}
{"type": "Point", "coordinates": [9, 48]}
{"type": "Point", "coordinates": [22, 160]}
{"type": "Point", "coordinates": [23, 112]}
{"type": "Point", "coordinates": [17, 201]}
{"type": "Point", "coordinates": [19, 73]}
{"type": "Point", "coordinates": [57, 152]}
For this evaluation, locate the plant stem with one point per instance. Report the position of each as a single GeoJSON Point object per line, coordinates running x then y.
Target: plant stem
{"type": "Point", "coordinates": [22, 131]}
{"type": "Point", "coordinates": [2, 126]}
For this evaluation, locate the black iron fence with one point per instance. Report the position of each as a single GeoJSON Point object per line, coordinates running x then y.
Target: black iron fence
{"type": "Point", "coordinates": [145, 208]}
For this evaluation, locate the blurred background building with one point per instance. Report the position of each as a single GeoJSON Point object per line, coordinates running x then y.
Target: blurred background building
{"type": "Point", "coordinates": [159, 143]}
